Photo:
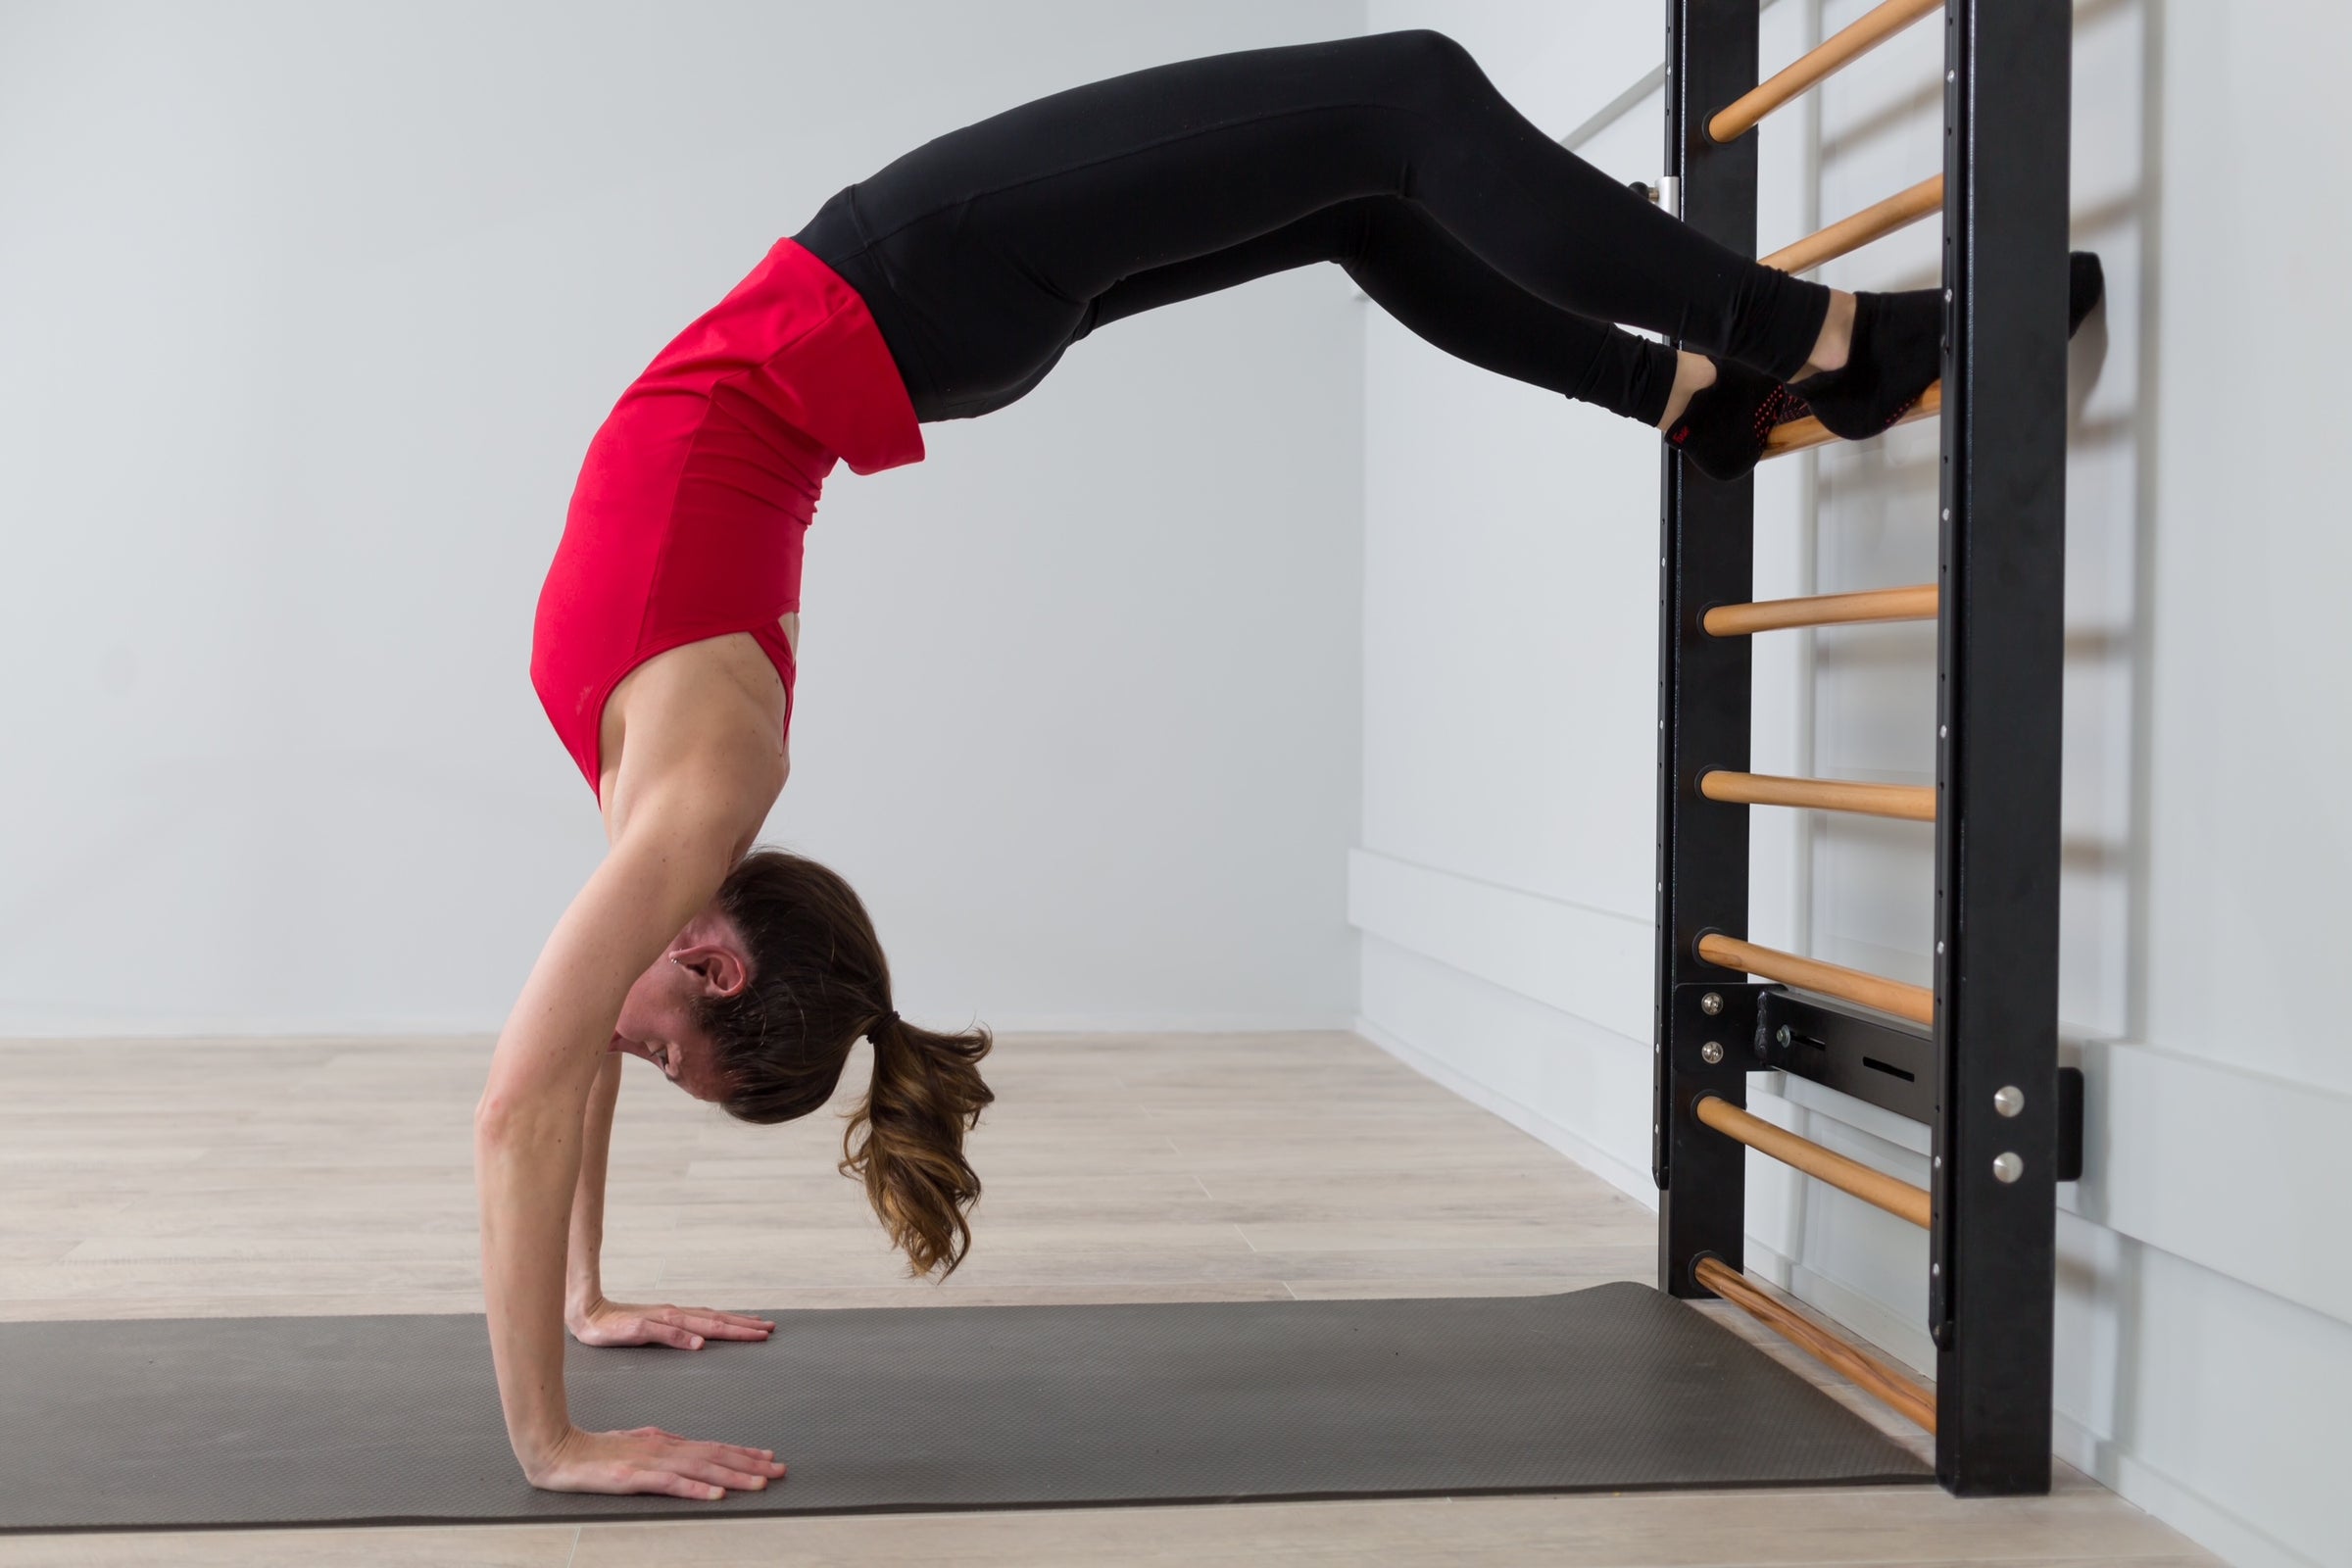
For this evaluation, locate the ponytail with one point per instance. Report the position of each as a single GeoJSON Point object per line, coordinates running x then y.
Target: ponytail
{"type": "Point", "coordinates": [817, 982]}
{"type": "Point", "coordinates": [905, 1140]}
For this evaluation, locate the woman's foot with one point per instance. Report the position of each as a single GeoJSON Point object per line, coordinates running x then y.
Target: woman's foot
{"type": "Point", "coordinates": [1878, 353]}
{"type": "Point", "coordinates": [1893, 351]}
{"type": "Point", "coordinates": [1720, 414]}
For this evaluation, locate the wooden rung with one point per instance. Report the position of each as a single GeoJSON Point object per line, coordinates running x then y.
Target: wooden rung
{"type": "Point", "coordinates": [1848, 235]}
{"type": "Point", "coordinates": [1798, 434]}
{"type": "Point", "coordinates": [1822, 610]}
{"type": "Point", "coordinates": [1850, 1361]}
{"type": "Point", "coordinates": [1913, 803]}
{"type": "Point", "coordinates": [1898, 1197]}
{"type": "Point", "coordinates": [1839, 50]}
{"type": "Point", "coordinates": [1915, 1002]}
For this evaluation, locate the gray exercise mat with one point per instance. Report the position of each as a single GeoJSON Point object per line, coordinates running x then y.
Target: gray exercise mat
{"type": "Point", "coordinates": [374, 1420]}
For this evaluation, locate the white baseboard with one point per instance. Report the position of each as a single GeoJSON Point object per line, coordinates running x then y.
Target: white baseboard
{"type": "Point", "coordinates": [1634, 1183]}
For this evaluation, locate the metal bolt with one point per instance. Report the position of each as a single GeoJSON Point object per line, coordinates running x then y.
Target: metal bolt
{"type": "Point", "coordinates": [1711, 1004]}
{"type": "Point", "coordinates": [2007, 1168]}
{"type": "Point", "coordinates": [1711, 1054]}
{"type": "Point", "coordinates": [1784, 1035]}
{"type": "Point", "coordinates": [1951, 75]}
{"type": "Point", "coordinates": [1941, 731]}
{"type": "Point", "coordinates": [1938, 947]}
{"type": "Point", "coordinates": [1947, 514]}
{"type": "Point", "coordinates": [2009, 1099]}
{"type": "Point", "coordinates": [1934, 1268]}
{"type": "Point", "coordinates": [1947, 296]}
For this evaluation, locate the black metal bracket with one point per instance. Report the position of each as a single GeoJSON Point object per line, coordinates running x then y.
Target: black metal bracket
{"type": "Point", "coordinates": [1867, 1055]}
{"type": "Point", "coordinates": [2069, 1124]}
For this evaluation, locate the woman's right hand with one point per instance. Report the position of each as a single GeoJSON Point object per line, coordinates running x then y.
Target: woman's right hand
{"type": "Point", "coordinates": [649, 1459]}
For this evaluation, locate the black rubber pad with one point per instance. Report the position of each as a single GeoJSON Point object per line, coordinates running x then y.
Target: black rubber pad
{"type": "Point", "coordinates": [357, 1420]}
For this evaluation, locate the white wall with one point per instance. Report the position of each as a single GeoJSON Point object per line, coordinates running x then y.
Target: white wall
{"type": "Point", "coordinates": [1504, 882]}
{"type": "Point", "coordinates": [307, 313]}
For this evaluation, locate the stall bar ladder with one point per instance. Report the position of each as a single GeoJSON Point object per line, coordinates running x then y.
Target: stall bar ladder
{"type": "Point", "coordinates": [1974, 1057]}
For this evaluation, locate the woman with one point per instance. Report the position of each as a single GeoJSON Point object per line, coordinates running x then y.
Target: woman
{"type": "Point", "coordinates": [944, 287]}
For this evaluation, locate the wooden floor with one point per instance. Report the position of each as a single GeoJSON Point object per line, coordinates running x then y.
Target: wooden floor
{"type": "Point", "coordinates": [185, 1177]}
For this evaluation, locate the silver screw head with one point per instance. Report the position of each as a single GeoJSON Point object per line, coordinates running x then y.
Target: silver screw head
{"type": "Point", "coordinates": [2009, 1099]}
{"type": "Point", "coordinates": [1711, 1004]}
{"type": "Point", "coordinates": [1782, 1034]}
{"type": "Point", "coordinates": [2007, 1167]}
{"type": "Point", "coordinates": [1711, 1052]}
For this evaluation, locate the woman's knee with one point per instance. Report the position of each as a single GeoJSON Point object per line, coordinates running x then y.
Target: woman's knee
{"type": "Point", "coordinates": [1427, 60]}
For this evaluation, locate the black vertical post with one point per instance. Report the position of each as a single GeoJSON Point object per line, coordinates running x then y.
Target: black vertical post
{"type": "Point", "coordinates": [1992, 1269]}
{"type": "Point", "coordinates": [1706, 556]}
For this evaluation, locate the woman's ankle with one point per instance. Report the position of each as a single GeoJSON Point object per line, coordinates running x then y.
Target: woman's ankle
{"type": "Point", "coordinates": [1834, 345]}
{"type": "Point", "coordinates": [1694, 373]}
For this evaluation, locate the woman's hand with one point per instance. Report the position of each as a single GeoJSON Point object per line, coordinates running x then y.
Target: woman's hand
{"type": "Point", "coordinates": [607, 1323]}
{"type": "Point", "coordinates": [649, 1459]}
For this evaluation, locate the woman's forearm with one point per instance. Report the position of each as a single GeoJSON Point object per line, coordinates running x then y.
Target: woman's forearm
{"type": "Point", "coordinates": [525, 1166]}
{"type": "Point", "coordinates": [583, 1280]}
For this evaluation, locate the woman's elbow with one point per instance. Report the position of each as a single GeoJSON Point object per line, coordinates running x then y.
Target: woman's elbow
{"type": "Point", "coordinates": [497, 1115]}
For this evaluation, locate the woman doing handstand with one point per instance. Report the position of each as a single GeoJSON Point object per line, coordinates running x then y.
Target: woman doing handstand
{"type": "Point", "coordinates": [944, 287]}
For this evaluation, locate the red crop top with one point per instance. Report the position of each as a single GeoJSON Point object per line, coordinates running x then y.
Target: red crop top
{"type": "Point", "coordinates": [687, 519]}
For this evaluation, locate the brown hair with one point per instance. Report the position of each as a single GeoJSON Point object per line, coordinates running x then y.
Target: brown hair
{"type": "Point", "coordinates": [818, 981]}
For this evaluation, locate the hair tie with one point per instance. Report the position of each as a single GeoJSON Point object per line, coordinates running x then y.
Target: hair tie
{"type": "Point", "coordinates": [889, 1016]}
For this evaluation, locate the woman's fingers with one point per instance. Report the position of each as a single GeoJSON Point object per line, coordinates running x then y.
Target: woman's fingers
{"type": "Point", "coordinates": [756, 1458]}
{"type": "Point", "coordinates": [664, 1331]}
{"type": "Point", "coordinates": [723, 1325]}
{"type": "Point", "coordinates": [719, 1464]}
{"type": "Point", "coordinates": [738, 1456]}
{"type": "Point", "coordinates": [653, 1459]}
{"type": "Point", "coordinates": [649, 1478]}
{"type": "Point", "coordinates": [716, 1474]}
{"type": "Point", "coordinates": [751, 1461]}
{"type": "Point", "coordinates": [687, 1327]}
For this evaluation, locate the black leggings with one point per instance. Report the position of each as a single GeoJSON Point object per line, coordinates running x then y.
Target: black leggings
{"type": "Point", "coordinates": [983, 255]}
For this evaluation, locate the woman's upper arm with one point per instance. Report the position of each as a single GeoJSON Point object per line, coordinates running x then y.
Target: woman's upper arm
{"type": "Point", "coordinates": [700, 768]}
{"type": "Point", "coordinates": [662, 869]}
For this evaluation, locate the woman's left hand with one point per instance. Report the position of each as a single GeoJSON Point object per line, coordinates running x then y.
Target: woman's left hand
{"type": "Point", "coordinates": [608, 1323]}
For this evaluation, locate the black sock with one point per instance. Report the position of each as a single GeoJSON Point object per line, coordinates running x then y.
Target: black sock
{"type": "Point", "coordinates": [1722, 429]}
{"type": "Point", "coordinates": [1897, 352]}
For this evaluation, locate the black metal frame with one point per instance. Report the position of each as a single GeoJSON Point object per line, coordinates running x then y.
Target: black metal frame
{"type": "Point", "coordinates": [2005, 1120]}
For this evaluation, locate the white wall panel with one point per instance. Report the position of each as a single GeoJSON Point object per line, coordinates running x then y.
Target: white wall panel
{"type": "Point", "coordinates": [307, 313]}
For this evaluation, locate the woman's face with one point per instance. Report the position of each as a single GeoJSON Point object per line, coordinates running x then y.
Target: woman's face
{"type": "Point", "coordinates": [657, 1016]}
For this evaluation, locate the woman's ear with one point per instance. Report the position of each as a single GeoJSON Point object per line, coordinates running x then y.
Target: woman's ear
{"type": "Point", "coordinates": [718, 968]}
